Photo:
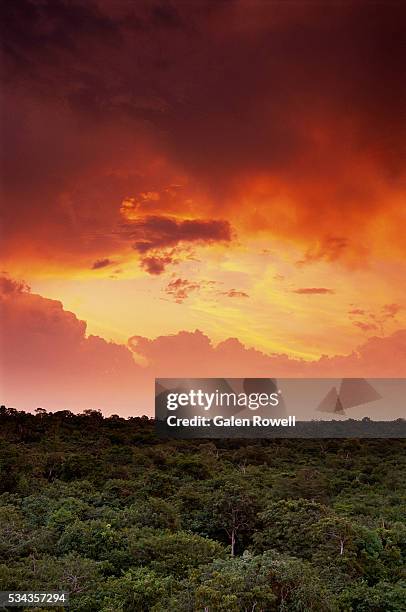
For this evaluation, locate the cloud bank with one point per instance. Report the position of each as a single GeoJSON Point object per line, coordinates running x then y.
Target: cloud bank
{"type": "Point", "coordinates": [49, 361]}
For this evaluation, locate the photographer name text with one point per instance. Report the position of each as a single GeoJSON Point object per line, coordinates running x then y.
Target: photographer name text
{"type": "Point", "coordinates": [220, 421]}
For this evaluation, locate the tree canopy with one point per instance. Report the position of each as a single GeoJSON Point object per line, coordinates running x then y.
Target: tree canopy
{"type": "Point", "coordinates": [126, 521]}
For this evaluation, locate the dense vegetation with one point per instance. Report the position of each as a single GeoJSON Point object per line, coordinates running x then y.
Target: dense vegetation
{"type": "Point", "coordinates": [127, 522]}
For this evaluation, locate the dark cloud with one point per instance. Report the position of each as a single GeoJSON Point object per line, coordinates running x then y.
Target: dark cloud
{"type": "Point", "coordinates": [102, 263]}
{"type": "Point", "coordinates": [329, 248]}
{"type": "Point", "coordinates": [313, 291]}
{"type": "Point", "coordinates": [162, 240]}
{"type": "Point", "coordinates": [159, 232]}
{"type": "Point", "coordinates": [233, 293]}
{"type": "Point", "coordinates": [181, 288]}
{"type": "Point", "coordinates": [369, 321]}
{"type": "Point", "coordinates": [156, 264]}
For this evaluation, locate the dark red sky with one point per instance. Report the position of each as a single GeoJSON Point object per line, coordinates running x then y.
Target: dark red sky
{"type": "Point", "coordinates": [108, 98]}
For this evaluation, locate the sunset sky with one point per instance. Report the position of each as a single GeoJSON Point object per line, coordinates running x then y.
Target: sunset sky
{"type": "Point", "coordinates": [199, 188]}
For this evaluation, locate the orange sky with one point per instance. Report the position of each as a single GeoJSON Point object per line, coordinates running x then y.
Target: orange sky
{"type": "Point", "coordinates": [235, 168]}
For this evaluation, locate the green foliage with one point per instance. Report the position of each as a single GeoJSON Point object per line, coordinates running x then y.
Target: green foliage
{"type": "Point", "coordinates": [287, 525]}
{"type": "Point", "coordinates": [128, 522]}
{"type": "Point", "coordinates": [138, 590]}
{"type": "Point", "coordinates": [171, 553]}
{"type": "Point", "coordinates": [235, 508]}
{"type": "Point", "coordinates": [265, 582]}
{"type": "Point", "coordinates": [152, 512]}
{"type": "Point", "coordinates": [382, 597]}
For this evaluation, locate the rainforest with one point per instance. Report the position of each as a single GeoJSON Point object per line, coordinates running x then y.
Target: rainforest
{"type": "Point", "coordinates": [127, 522]}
